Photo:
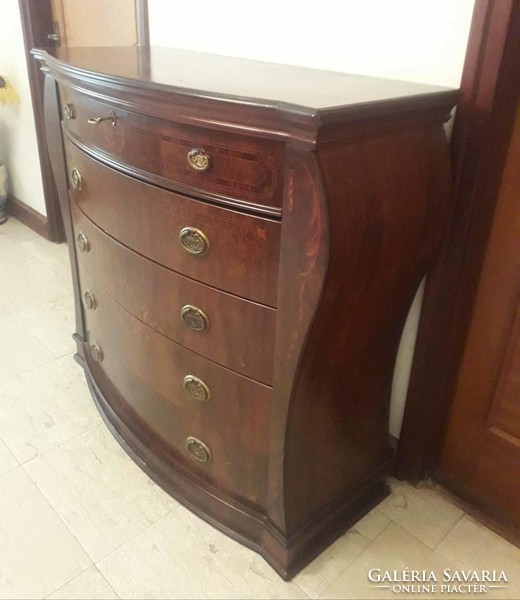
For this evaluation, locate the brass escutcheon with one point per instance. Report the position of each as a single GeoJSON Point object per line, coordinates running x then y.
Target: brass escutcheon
{"type": "Point", "coordinates": [97, 353]}
{"type": "Point", "coordinates": [76, 179]}
{"type": "Point", "coordinates": [196, 388]}
{"type": "Point", "coordinates": [83, 243]}
{"type": "Point", "coordinates": [90, 300]}
{"type": "Point", "coordinates": [198, 449]}
{"type": "Point", "coordinates": [69, 111]}
{"type": "Point", "coordinates": [195, 318]}
{"type": "Point", "coordinates": [194, 241]}
{"type": "Point", "coordinates": [198, 159]}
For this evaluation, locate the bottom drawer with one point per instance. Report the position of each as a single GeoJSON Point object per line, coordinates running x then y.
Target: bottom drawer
{"type": "Point", "coordinates": [147, 370]}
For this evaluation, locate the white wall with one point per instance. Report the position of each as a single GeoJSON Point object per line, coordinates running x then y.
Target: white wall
{"type": "Point", "coordinates": [413, 40]}
{"type": "Point", "coordinates": [416, 40]}
{"type": "Point", "coordinates": [18, 146]}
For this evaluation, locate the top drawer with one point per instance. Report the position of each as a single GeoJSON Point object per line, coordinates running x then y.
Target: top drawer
{"type": "Point", "coordinates": [237, 170]}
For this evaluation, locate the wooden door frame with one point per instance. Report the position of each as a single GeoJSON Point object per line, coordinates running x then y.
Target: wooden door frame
{"type": "Point", "coordinates": [481, 135]}
{"type": "Point", "coordinates": [37, 22]}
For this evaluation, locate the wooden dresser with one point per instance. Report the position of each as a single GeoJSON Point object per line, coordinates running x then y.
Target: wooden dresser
{"type": "Point", "coordinates": [246, 240]}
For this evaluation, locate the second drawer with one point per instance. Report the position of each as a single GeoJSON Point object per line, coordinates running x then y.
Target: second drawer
{"type": "Point", "coordinates": [231, 331]}
{"type": "Point", "coordinates": [218, 246]}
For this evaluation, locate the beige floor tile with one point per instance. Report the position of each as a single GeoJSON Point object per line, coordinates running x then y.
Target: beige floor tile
{"type": "Point", "coordinates": [394, 549]}
{"type": "Point", "coordinates": [372, 524]}
{"type": "Point", "coordinates": [200, 562]}
{"type": "Point", "coordinates": [52, 323]}
{"type": "Point", "coordinates": [31, 284]}
{"type": "Point", "coordinates": [422, 511]}
{"type": "Point", "coordinates": [98, 491]}
{"type": "Point", "coordinates": [44, 407]}
{"type": "Point", "coordinates": [19, 349]}
{"type": "Point", "coordinates": [55, 256]}
{"type": "Point", "coordinates": [90, 585]}
{"type": "Point", "coordinates": [15, 230]}
{"type": "Point", "coordinates": [7, 460]}
{"type": "Point", "coordinates": [11, 254]}
{"type": "Point", "coordinates": [38, 554]}
{"type": "Point", "coordinates": [471, 545]}
{"type": "Point", "coordinates": [329, 565]}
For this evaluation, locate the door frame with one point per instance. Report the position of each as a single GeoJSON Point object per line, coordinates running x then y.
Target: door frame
{"type": "Point", "coordinates": [479, 143]}
{"type": "Point", "coordinates": [37, 22]}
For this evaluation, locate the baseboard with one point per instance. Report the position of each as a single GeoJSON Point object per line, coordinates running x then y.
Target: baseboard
{"type": "Point", "coordinates": [28, 216]}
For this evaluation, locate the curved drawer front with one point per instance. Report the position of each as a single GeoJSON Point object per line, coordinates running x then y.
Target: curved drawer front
{"type": "Point", "coordinates": [220, 247]}
{"type": "Point", "coordinates": [232, 168]}
{"type": "Point", "coordinates": [233, 332]}
{"type": "Point", "coordinates": [148, 370]}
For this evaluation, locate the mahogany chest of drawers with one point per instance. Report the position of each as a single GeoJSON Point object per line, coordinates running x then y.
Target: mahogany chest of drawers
{"type": "Point", "coordinates": [246, 240]}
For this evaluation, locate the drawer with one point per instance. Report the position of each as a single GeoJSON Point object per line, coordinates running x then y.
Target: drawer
{"type": "Point", "coordinates": [147, 371]}
{"type": "Point", "coordinates": [239, 252]}
{"type": "Point", "coordinates": [235, 169]}
{"type": "Point", "coordinates": [231, 331]}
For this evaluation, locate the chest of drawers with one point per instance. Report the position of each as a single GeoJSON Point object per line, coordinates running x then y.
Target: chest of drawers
{"type": "Point", "coordinates": [246, 240]}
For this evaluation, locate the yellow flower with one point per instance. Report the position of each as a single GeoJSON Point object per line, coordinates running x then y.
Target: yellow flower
{"type": "Point", "coordinates": [7, 92]}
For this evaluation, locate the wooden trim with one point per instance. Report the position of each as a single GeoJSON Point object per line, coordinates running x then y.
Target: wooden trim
{"type": "Point", "coordinates": [28, 216]}
{"type": "Point", "coordinates": [36, 16]}
{"type": "Point", "coordinates": [143, 24]}
{"type": "Point", "coordinates": [479, 144]}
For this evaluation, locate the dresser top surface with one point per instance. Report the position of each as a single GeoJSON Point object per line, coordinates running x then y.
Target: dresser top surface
{"type": "Point", "coordinates": [236, 79]}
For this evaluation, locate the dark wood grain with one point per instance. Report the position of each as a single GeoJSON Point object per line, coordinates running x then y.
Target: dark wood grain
{"type": "Point", "coordinates": [155, 396]}
{"type": "Point", "coordinates": [481, 134]}
{"type": "Point", "coordinates": [240, 334]}
{"type": "Point", "coordinates": [363, 167]}
{"type": "Point", "coordinates": [37, 22]}
{"type": "Point", "coordinates": [243, 252]}
{"type": "Point", "coordinates": [244, 171]}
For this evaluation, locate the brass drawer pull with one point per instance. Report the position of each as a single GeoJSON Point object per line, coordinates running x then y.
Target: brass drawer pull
{"type": "Point", "coordinates": [195, 318]}
{"type": "Point", "coordinates": [199, 160]}
{"type": "Point", "coordinates": [97, 352]}
{"type": "Point", "coordinates": [83, 243]}
{"type": "Point", "coordinates": [76, 179]}
{"type": "Point", "coordinates": [198, 449]}
{"type": "Point", "coordinates": [194, 241]}
{"type": "Point", "coordinates": [97, 120]}
{"type": "Point", "coordinates": [69, 111]}
{"type": "Point", "coordinates": [196, 388]}
{"type": "Point", "coordinates": [90, 300]}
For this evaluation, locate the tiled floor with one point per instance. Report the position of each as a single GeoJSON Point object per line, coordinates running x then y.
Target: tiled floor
{"type": "Point", "coordinates": [79, 520]}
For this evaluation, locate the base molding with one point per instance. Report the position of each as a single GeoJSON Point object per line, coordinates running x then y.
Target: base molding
{"type": "Point", "coordinates": [249, 527]}
{"type": "Point", "coordinates": [28, 216]}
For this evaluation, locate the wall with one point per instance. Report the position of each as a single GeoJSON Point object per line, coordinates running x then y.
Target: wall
{"type": "Point", "coordinates": [18, 145]}
{"type": "Point", "coordinates": [414, 40]}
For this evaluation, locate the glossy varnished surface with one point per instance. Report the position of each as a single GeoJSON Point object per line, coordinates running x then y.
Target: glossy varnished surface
{"type": "Point", "coordinates": [212, 76]}
{"type": "Point", "coordinates": [239, 333]}
{"type": "Point", "coordinates": [243, 249]}
{"type": "Point", "coordinates": [243, 170]}
{"type": "Point", "coordinates": [363, 171]}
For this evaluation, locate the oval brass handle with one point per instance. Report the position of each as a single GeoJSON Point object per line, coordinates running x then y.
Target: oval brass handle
{"type": "Point", "coordinates": [76, 179]}
{"type": "Point", "coordinates": [198, 449]}
{"type": "Point", "coordinates": [69, 111]}
{"type": "Point", "coordinates": [97, 120]}
{"type": "Point", "coordinates": [196, 388]}
{"type": "Point", "coordinates": [195, 318]}
{"type": "Point", "coordinates": [83, 243]}
{"type": "Point", "coordinates": [194, 241]}
{"type": "Point", "coordinates": [97, 352]}
{"type": "Point", "coordinates": [198, 159]}
{"type": "Point", "coordinates": [90, 300]}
